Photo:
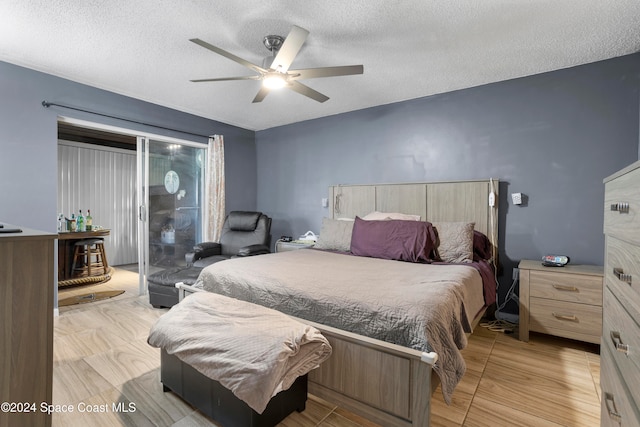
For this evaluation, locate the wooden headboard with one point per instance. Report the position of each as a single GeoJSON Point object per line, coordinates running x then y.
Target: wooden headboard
{"type": "Point", "coordinates": [460, 201]}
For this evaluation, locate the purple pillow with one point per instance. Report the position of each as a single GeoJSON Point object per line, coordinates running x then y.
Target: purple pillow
{"type": "Point", "coordinates": [482, 248]}
{"type": "Point", "coordinates": [412, 241]}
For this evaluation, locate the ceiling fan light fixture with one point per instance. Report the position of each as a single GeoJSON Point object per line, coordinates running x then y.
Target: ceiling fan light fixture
{"type": "Point", "coordinates": [274, 80]}
{"type": "Point", "coordinates": [275, 72]}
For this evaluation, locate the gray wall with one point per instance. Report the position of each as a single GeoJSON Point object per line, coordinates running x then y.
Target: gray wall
{"type": "Point", "coordinates": [29, 137]}
{"type": "Point", "coordinates": [553, 137]}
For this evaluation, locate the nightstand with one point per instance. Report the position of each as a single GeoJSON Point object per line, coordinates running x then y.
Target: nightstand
{"type": "Point", "coordinates": [293, 245]}
{"type": "Point", "coordinates": [562, 301]}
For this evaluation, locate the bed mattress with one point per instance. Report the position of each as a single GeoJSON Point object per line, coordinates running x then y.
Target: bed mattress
{"type": "Point", "coordinates": [425, 307]}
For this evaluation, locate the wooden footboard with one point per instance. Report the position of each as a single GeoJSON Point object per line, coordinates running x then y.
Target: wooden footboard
{"type": "Point", "coordinates": [386, 383]}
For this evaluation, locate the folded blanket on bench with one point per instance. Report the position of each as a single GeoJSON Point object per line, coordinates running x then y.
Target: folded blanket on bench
{"type": "Point", "coordinates": [252, 350]}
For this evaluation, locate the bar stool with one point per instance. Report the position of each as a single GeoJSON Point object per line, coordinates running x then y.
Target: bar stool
{"type": "Point", "coordinates": [89, 258]}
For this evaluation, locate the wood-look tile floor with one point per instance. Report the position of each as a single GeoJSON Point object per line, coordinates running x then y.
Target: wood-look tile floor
{"type": "Point", "coordinates": [101, 358]}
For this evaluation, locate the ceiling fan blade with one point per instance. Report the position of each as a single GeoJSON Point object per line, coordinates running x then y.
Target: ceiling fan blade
{"type": "Point", "coordinates": [262, 93]}
{"type": "Point", "coordinates": [314, 73]}
{"type": "Point", "coordinates": [229, 55]}
{"type": "Point", "coordinates": [289, 49]}
{"type": "Point", "coordinates": [224, 79]}
{"type": "Point", "coordinates": [307, 91]}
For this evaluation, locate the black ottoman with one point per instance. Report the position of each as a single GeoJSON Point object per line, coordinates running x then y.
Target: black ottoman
{"type": "Point", "coordinates": [162, 289]}
{"type": "Point", "coordinates": [220, 404]}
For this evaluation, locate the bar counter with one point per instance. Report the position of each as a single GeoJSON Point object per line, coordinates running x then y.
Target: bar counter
{"type": "Point", "coordinates": [66, 243]}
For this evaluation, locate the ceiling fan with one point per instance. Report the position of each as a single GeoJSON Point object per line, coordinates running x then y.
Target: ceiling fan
{"type": "Point", "coordinates": [277, 73]}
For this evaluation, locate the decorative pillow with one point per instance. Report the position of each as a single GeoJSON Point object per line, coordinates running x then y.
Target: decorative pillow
{"type": "Point", "coordinates": [379, 216]}
{"type": "Point", "coordinates": [413, 241]}
{"type": "Point", "coordinates": [455, 241]}
{"type": "Point", "coordinates": [335, 235]}
{"type": "Point", "coordinates": [482, 247]}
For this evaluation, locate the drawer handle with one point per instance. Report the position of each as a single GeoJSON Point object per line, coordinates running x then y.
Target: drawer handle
{"type": "Point", "coordinates": [613, 413]}
{"type": "Point", "coordinates": [620, 207]}
{"type": "Point", "coordinates": [565, 288]}
{"type": "Point", "coordinates": [619, 273]}
{"type": "Point", "coordinates": [571, 317]}
{"type": "Point", "coordinates": [617, 342]}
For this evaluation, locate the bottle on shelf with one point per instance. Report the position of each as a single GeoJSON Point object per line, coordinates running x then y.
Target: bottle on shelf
{"type": "Point", "coordinates": [88, 221]}
{"type": "Point", "coordinates": [80, 222]}
{"type": "Point", "coordinates": [71, 223]}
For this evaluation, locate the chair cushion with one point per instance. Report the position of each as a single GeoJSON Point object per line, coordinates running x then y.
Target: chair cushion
{"type": "Point", "coordinates": [243, 221]}
{"type": "Point", "coordinates": [169, 277]}
{"type": "Point", "coordinates": [252, 250]}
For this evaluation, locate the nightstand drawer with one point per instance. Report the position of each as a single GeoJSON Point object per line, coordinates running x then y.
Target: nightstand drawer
{"type": "Point", "coordinates": [566, 287]}
{"type": "Point", "coordinates": [563, 301]}
{"type": "Point", "coordinates": [617, 403]}
{"type": "Point", "coordinates": [621, 335]}
{"type": "Point", "coordinates": [622, 273]}
{"type": "Point", "coordinates": [622, 206]}
{"type": "Point", "coordinates": [566, 319]}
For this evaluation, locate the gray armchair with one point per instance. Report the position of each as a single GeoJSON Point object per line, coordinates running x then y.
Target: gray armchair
{"type": "Point", "coordinates": [243, 234]}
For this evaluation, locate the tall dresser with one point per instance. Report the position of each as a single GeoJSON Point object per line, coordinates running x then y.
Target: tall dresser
{"type": "Point", "coordinates": [26, 326]}
{"type": "Point", "coordinates": [620, 349]}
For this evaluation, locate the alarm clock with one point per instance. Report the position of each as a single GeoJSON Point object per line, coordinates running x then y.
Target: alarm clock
{"type": "Point", "coordinates": [171, 182]}
{"type": "Point", "coordinates": [555, 260]}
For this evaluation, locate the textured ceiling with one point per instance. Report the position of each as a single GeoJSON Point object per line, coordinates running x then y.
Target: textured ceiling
{"type": "Point", "coordinates": [409, 49]}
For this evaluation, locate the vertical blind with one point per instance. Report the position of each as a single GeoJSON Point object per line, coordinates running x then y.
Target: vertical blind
{"type": "Point", "coordinates": [101, 179]}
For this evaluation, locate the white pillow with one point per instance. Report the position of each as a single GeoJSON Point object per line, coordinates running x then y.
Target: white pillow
{"type": "Point", "coordinates": [456, 241]}
{"type": "Point", "coordinates": [378, 216]}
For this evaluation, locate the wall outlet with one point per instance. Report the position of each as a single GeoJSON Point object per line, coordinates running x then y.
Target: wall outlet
{"type": "Point", "coordinates": [516, 274]}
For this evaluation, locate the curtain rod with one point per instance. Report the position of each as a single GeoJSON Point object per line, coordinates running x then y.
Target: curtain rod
{"type": "Point", "coordinates": [47, 104]}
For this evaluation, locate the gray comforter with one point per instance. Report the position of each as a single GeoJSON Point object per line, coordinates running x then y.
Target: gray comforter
{"type": "Point", "coordinates": [421, 306]}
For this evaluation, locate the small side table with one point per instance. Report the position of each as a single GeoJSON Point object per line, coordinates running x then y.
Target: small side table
{"type": "Point", "coordinates": [293, 245]}
{"type": "Point", "coordinates": [561, 301]}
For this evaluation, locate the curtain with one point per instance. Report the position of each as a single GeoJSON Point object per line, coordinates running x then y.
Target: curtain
{"type": "Point", "coordinates": [215, 198]}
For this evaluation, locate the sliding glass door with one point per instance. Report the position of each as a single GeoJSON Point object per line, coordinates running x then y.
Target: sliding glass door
{"type": "Point", "coordinates": [170, 199]}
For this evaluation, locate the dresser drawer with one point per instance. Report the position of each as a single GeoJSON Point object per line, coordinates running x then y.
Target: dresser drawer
{"type": "Point", "coordinates": [621, 335]}
{"type": "Point", "coordinates": [617, 405]}
{"type": "Point", "coordinates": [622, 273]}
{"type": "Point", "coordinates": [622, 206]}
{"type": "Point", "coordinates": [566, 287]}
{"type": "Point", "coordinates": [566, 319]}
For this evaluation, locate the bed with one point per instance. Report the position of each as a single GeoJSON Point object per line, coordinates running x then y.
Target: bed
{"type": "Point", "coordinates": [390, 323]}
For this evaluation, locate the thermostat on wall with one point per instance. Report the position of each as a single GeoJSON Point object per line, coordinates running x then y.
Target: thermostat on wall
{"type": "Point", "coordinates": [555, 260]}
